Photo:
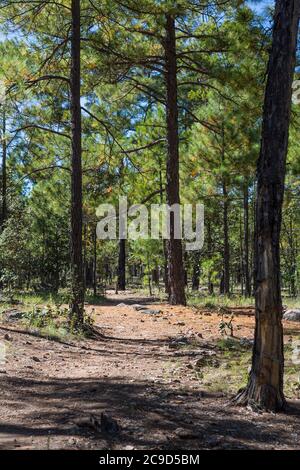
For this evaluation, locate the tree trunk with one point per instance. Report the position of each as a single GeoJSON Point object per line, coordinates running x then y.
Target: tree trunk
{"type": "Point", "coordinates": [4, 174]}
{"type": "Point", "coordinates": [254, 200]}
{"type": "Point", "coordinates": [291, 255]}
{"type": "Point", "coordinates": [121, 283]}
{"type": "Point", "coordinates": [210, 284]}
{"type": "Point", "coordinates": [77, 300]}
{"type": "Point", "coordinates": [226, 252]}
{"type": "Point", "coordinates": [95, 263]}
{"type": "Point", "coordinates": [246, 242]}
{"type": "Point", "coordinates": [240, 267]}
{"type": "Point", "coordinates": [265, 386]}
{"type": "Point", "coordinates": [175, 258]}
{"type": "Point", "coordinates": [166, 270]}
{"type": "Point", "coordinates": [84, 261]}
{"type": "Point", "coordinates": [196, 271]}
{"type": "Point", "coordinates": [293, 261]}
{"type": "Point", "coordinates": [165, 242]}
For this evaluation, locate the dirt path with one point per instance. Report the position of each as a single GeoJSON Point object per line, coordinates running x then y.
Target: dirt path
{"type": "Point", "coordinates": [138, 373]}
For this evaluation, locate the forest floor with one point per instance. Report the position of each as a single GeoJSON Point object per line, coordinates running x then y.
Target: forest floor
{"type": "Point", "coordinates": [165, 378]}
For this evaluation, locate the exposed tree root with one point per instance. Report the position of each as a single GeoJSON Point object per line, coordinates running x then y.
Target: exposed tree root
{"type": "Point", "coordinates": [260, 397]}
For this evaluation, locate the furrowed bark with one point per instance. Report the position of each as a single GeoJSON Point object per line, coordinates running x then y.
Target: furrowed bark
{"type": "Point", "coordinates": [77, 299]}
{"type": "Point", "coordinates": [175, 257]}
{"type": "Point", "coordinates": [265, 386]}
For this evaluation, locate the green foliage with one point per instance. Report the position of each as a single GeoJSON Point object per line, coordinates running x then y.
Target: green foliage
{"type": "Point", "coordinates": [226, 327]}
{"type": "Point", "coordinates": [48, 315]}
{"type": "Point", "coordinates": [54, 319]}
{"type": "Point", "coordinates": [222, 51]}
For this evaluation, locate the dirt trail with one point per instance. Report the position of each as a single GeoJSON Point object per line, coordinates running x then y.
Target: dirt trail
{"type": "Point", "coordinates": [49, 389]}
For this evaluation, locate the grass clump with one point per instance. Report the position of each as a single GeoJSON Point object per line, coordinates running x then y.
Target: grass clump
{"type": "Point", "coordinates": [53, 321]}
{"type": "Point", "coordinates": [214, 302]}
{"type": "Point", "coordinates": [48, 313]}
{"type": "Point", "coordinates": [234, 358]}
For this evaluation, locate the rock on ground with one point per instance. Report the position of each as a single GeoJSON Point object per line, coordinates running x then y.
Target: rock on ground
{"type": "Point", "coordinates": [292, 315]}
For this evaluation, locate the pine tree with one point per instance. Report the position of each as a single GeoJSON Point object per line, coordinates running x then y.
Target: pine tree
{"type": "Point", "coordinates": [265, 387]}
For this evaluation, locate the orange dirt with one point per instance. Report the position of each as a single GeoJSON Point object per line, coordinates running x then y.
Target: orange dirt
{"type": "Point", "coordinates": [49, 389]}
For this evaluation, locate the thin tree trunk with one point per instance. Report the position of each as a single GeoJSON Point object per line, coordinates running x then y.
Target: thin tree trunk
{"type": "Point", "coordinates": [121, 282]}
{"type": "Point", "coordinates": [77, 300]}
{"type": "Point", "coordinates": [246, 242]}
{"type": "Point", "coordinates": [291, 256]}
{"type": "Point", "coordinates": [149, 276]}
{"type": "Point", "coordinates": [265, 386]}
{"type": "Point", "coordinates": [254, 200]}
{"type": "Point", "coordinates": [240, 273]}
{"type": "Point", "coordinates": [226, 252]}
{"type": "Point", "coordinates": [165, 245]}
{"type": "Point", "coordinates": [175, 257]}
{"type": "Point", "coordinates": [196, 271]}
{"type": "Point", "coordinates": [209, 252]}
{"type": "Point", "coordinates": [84, 261]}
{"type": "Point", "coordinates": [95, 263]}
{"type": "Point", "coordinates": [4, 173]}
{"type": "Point", "coordinates": [166, 270]}
{"type": "Point", "coordinates": [293, 274]}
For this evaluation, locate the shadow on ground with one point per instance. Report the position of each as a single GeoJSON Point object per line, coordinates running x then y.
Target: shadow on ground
{"type": "Point", "coordinates": [151, 416]}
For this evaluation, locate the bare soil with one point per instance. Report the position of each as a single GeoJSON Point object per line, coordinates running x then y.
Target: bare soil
{"type": "Point", "coordinates": [139, 371]}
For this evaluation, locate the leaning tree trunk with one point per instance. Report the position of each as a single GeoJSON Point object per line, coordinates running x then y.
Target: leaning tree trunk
{"type": "Point", "coordinates": [121, 283]}
{"type": "Point", "coordinates": [265, 386]}
{"type": "Point", "coordinates": [77, 299]}
{"type": "Point", "coordinates": [175, 258]}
